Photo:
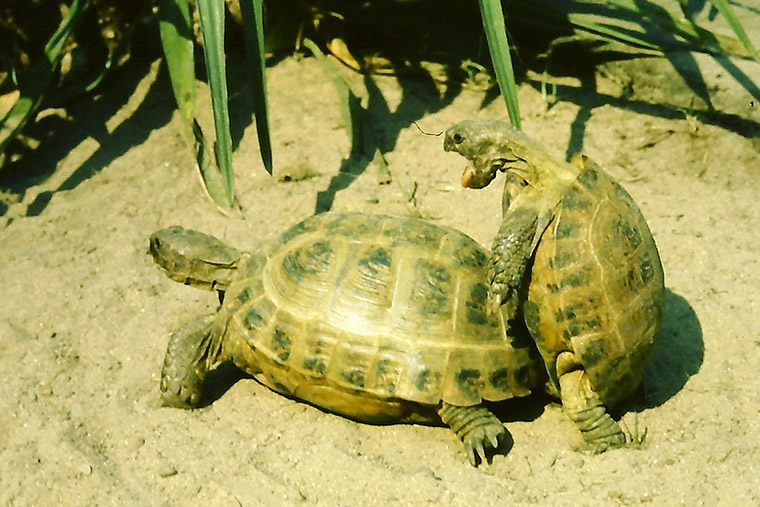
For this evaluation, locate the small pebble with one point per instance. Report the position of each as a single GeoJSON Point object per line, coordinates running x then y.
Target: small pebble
{"type": "Point", "coordinates": [84, 469]}
{"type": "Point", "coordinates": [166, 470]}
{"type": "Point", "coordinates": [424, 470]}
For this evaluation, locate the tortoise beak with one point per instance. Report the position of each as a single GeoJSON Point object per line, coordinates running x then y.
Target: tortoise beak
{"type": "Point", "coordinates": [474, 178]}
{"type": "Point", "coordinates": [467, 175]}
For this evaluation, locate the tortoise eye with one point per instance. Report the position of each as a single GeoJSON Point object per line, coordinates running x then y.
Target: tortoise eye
{"type": "Point", "coordinates": [457, 138]}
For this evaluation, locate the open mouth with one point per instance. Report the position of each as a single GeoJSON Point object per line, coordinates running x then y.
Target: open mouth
{"type": "Point", "coordinates": [474, 178]}
{"type": "Point", "coordinates": [467, 175]}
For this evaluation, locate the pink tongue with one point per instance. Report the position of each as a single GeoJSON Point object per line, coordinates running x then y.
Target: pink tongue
{"type": "Point", "coordinates": [467, 177]}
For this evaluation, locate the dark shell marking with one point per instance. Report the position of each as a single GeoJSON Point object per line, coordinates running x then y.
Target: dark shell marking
{"type": "Point", "coordinates": [596, 286]}
{"type": "Point", "coordinates": [347, 311]}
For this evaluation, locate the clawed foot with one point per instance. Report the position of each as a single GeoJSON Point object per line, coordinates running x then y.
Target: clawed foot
{"type": "Point", "coordinates": [495, 299]}
{"type": "Point", "coordinates": [190, 352]}
{"type": "Point", "coordinates": [483, 442]}
{"type": "Point", "coordinates": [599, 445]}
{"type": "Point", "coordinates": [502, 295]}
{"type": "Point", "coordinates": [180, 387]}
{"type": "Point", "coordinates": [480, 431]}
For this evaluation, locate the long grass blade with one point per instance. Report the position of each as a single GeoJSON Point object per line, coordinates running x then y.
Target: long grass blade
{"type": "Point", "coordinates": [645, 25]}
{"type": "Point", "coordinates": [348, 100]}
{"type": "Point", "coordinates": [177, 42]}
{"type": "Point", "coordinates": [253, 32]}
{"type": "Point", "coordinates": [727, 12]}
{"type": "Point", "coordinates": [364, 145]}
{"type": "Point", "coordinates": [612, 33]}
{"type": "Point", "coordinates": [211, 13]}
{"type": "Point", "coordinates": [36, 80]}
{"type": "Point", "coordinates": [496, 34]}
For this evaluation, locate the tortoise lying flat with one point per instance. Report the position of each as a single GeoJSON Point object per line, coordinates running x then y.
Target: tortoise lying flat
{"type": "Point", "coordinates": [376, 318]}
{"type": "Point", "coordinates": [577, 243]}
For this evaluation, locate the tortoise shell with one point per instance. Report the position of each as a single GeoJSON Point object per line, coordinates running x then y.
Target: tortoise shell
{"type": "Point", "coordinates": [359, 314]}
{"type": "Point", "coordinates": [596, 285]}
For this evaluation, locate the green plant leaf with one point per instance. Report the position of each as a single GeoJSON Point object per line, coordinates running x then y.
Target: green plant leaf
{"type": "Point", "coordinates": [211, 13]}
{"type": "Point", "coordinates": [253, 33]}
{"type": "Point", "coordinates": [496, 34]}
{"type": "Point", "coordinates": [727, 12]}
{"type": "Point", "coordinates": [348, 100]}
{"type": "Point", "coordinates": [612, 33]}
{"type": "Point", "coordinates": [177, 42]}
{"type": "Point", "coordinates": [36, 79]}
{"type": "Point", "coordinates": [363, 142]}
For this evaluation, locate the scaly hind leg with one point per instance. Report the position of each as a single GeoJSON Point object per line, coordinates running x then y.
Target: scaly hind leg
{"type": "Point", "coordinates": [190, 354]}
{"type": "Point", "coordinates": [584, 407]}
{"type": "Point", "coordinates": [477, 428]}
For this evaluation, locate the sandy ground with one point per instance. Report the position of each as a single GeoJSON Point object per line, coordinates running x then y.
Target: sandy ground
{"type": "Point", "coordinates": [85, 316]}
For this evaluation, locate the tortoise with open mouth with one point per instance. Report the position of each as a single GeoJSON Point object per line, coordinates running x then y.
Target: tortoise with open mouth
{"type": "Point", "coordinates": [576, 260]}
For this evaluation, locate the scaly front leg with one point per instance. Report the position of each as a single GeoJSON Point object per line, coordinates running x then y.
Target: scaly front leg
{"type": "Point", "coordinates": [190, 354]}
{"type": "Point", "coordinates": [511, 251]}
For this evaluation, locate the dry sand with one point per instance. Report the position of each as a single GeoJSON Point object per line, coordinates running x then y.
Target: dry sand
{"type": "Point", "coordinates": [85, 316]}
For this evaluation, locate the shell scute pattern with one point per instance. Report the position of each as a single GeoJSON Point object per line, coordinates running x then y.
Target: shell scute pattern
{"type": "Point", "coordinates": [308, 225]}
{"type": "Point", "coordinates": [430, 297]}
{"type": "Point", "coordinates": [420, 235]}
{"type": "Point", "coordinates": [564, 260]}
{"type": "Point", "coordinates": [596, 281]}
{"type": "Point", "coordinates": [244, 295]}
{"type": "Point", "coordinates": [307, 261]}
{"type": "Point", "coordinates": [469, 381]}
{"type": "Point", "coordinates": [299, 279]}
{"type": "Point", "coordinates": [388, 367]}
{"type": "Point", "coordinates": [647, 270]}
{"type": "Point", "coordinates": [583, 277]}
{"type": "Point", "coordinates": [377, 261]}
{"type": "Point", "coordinates": [350, 364]}
{"type": "Point", "coordinates": [258, 315]}
{"type": "Point", "coordinates": [589, 178]}
{"type": "Point", "coordinates": [281, 343]}
{"type": "Point", "coordinates": [564, 229]}
{"type": "Point", "coordinates": [314, 352]}
{"type": "Point", "coordinates": [476, 305]}
{"type": "Point", "coordinates": [387, 307]}
{"type": "Point", "coordinates": [254, 263]}
{"type": "Point", "coordinates": [425, 377]}
{"type": "Point", "coordinates": [577, 201]}
{"type": "Point", "coordinates": [426, 381]}
{"type": "Point", "coordinates": [254, 319]}
{"type": "Point", "coordinates": [463, 251]}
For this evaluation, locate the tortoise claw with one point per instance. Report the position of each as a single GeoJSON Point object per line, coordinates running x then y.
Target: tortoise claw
{"type": "Point", "coordinates": [483, 442]}
{"type": "Point", "coordinates": [493, 304]}
{"type": "Point", "coordinates": [493, 437]}
{"type": "Point", "coordinates": [480, 431]}
{"type": "Point", "coordinates": [471, 457]}
{"type": "Point", "coordinates": [480, 448]}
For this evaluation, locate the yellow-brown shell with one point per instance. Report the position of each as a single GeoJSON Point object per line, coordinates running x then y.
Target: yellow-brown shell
{"type": "Point", "coordinates": [354, 311]}
{"type": "Point", "coordinates": [596, 285]}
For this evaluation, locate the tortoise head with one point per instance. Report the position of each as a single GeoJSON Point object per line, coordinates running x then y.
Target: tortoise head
{"type": "Point", "coordinates": [491, 146]}
{"type": "Point", "coordinates": [194, 258]}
